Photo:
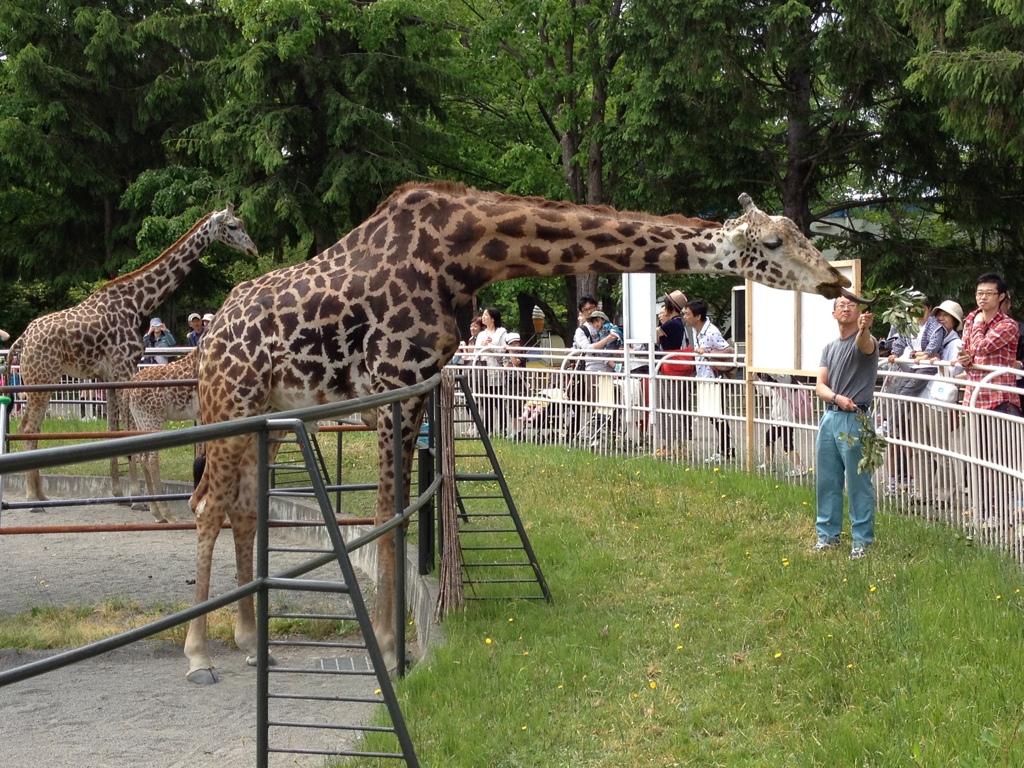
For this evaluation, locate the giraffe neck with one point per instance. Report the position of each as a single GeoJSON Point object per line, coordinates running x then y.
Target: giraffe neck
{"type": "Point", "coordinates": [477, 238]}
{"type": "Point", "coordinates": [148, 287]}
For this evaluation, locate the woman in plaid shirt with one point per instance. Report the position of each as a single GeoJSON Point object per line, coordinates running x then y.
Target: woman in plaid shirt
{"type": "Point", "coordinates": [990, 338]}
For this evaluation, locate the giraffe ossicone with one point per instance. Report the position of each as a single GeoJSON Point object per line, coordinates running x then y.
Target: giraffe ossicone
{"type": "Point", "coordinates": [101, 338]}
{"type": "Point", "coordinates": [376, 311]}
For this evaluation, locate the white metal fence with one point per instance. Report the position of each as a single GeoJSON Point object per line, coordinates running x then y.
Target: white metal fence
{"type": "Point", "coordinates": [944, 461]}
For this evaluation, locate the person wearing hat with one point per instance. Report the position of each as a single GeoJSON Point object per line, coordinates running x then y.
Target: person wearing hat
{"type": "Point", "coordinates": [588, 336]}
{"type": "Point", "coordinates": [514, 345]}
{"type": "Point", "coordinates": [939, 482]}
{"type": "Point", "coordinates": [158, 336]}
{"type": "Point", "coordinates": [674, 393]}
{"type": "Point", "coordinates": [195, 322]}
{"type": "Point", "coordinates": [950, 316]}
{"type": "Point", "coordinates": [911, 354]}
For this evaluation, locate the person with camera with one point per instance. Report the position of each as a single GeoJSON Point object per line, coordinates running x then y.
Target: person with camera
{"type": "Point", "coordinates": [158, 336]}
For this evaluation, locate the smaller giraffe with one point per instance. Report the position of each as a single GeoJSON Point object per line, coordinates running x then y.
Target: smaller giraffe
{"type": "Point", "coordinates": [150, 408]}
{"type": "Point", "coordinates": [101, 338]}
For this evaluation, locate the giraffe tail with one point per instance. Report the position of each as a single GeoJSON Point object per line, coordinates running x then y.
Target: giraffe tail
{"type": "Point", "coordinates": [14, 352]}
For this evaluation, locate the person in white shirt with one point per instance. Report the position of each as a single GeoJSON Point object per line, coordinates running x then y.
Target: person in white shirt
{"type": "Point", "coordinates": [708, 340]}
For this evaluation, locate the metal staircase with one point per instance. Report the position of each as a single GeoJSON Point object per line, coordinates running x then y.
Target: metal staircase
{"type": "Point", "coordinates": [498, 561]}
{"type": "Point", "coordinates": [320, 684]}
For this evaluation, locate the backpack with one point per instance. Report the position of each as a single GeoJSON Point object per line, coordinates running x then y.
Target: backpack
{"type": "Point", "coordinates": [800, 404]}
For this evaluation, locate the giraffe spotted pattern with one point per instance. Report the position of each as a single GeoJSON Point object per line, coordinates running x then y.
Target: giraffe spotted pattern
{"type": "Point", "coordinates": [101, 338]}
{"type": "Point", "coordinates": [376, 311]}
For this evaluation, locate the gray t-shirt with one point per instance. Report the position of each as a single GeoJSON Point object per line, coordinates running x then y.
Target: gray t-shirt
{"type": "Point", "coordinates": [851, 373]}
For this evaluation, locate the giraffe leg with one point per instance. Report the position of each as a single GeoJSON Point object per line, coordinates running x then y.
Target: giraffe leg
{"type": "Point", "coordinates": [134, 460]}
{"type": "Point", "coordinates": [31, 420]}
{"type": "Point", "coordinates": [115, 408]}
{"type": "Point", "coordinates": [243, 529]}
{"type": "Point", "coordinates": [215, 494]}
{"type": "Point", "coordinates": [384, 608]}
{"type": "Point", "coordinates": [154, 484]}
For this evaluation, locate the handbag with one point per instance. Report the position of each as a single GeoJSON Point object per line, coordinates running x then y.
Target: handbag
{"type": "Point", "coordinates": [943, 391]}
{"type": "Point", "coordinates": [680, 363]}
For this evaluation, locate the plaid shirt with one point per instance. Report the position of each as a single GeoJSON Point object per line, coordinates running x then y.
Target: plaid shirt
{"type": "Point", "coordinates": [992, 344]}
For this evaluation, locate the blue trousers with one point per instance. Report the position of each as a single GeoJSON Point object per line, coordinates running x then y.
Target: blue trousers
{"type": "Point", "coordinates": [837, 466]}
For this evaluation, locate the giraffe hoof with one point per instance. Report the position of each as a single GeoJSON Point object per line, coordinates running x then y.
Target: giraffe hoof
{"type": "Point", "coordinates": [37, 510]}
{"type": "Point", "coordinates": [252, 661]}
{"type": "Point", "coordinates": [203, 676]}
{"type": "Point", "coordinates": [140, 506]}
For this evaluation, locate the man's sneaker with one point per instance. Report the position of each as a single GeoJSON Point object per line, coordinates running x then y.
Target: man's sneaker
{"type": "Point", "coordinates": [824, 546]}
{"type": "Point", "coordinates": [714, 458]}
{"type": "Point", "coordinates": [762, 467]}
{"type": "Point", "coordinates": [857, 552]}
{"type": "Point", "coordinates": [797, 472]}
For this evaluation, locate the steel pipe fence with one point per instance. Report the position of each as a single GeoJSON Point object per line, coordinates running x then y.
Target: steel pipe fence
{"type": "Point", "coordinates": [262, 426]}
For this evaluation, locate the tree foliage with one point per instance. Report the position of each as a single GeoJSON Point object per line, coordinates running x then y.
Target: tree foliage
{"type": "Point", "coordinates": [122, 123]}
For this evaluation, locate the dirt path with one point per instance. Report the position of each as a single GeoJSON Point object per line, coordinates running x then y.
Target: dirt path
{"type": "Point", "coordinates": [133, 707]}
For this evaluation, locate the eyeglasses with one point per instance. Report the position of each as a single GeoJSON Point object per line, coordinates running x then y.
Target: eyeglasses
{"type": "Point", "coordinates": [983, 294]}
{"type": "Point", "coordinates": [841, 306]}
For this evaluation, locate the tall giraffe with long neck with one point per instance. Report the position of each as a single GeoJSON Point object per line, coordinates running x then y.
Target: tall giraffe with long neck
{"type": "Point", "coordinates": [376, 312]}
{"type": "Point", "coordinates": [101, 338]}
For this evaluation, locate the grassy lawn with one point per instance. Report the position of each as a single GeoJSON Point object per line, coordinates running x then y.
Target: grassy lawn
{"type": "Point", "coordinates": [691, 626]}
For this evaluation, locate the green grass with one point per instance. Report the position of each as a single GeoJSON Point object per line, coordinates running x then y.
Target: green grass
{"type": "Point", "coordinates": [175, 463]}
{"type": "Point", "coordinates": [691, 626]}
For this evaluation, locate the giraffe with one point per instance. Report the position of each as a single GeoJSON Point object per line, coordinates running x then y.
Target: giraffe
{"type": "Point", "coordinates": [149, 408]}
{"type": "Point", "coordinates": [376, 311]}
{"type": "Point", "coordinates": [100, 338]}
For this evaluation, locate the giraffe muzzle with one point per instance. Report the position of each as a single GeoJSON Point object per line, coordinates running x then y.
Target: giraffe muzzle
{"type": "Point", "coordinates": [859, 299]}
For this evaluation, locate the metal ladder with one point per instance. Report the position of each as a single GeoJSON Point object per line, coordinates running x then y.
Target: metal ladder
{"type": "Point", "coordinates": [498, 561]}
{"type": "Point", "coordinates": [286, 691]}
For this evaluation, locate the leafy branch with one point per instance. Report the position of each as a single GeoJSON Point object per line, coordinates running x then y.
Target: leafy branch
{"type": "Point", "coordinates": [899, 308]}
{"type": "Point", "coordinates": [872, 445]}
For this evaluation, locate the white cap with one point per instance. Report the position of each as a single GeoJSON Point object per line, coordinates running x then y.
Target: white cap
{"type": "Point", "coordinates": [208, 317]}
{"type": "Point", "coordinates": [156, 322]}
{"type": "Point", "coordinates": [193, 316]}
{"type": "Point", "coordinates": [509, 337]}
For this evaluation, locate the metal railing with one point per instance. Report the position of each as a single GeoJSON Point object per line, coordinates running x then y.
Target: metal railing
{"type": "Point", "coordinates": [262, 426]}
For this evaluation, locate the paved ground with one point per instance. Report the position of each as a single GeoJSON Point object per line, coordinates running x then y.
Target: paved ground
{"type": "Point", "coordinates": [133, 707]}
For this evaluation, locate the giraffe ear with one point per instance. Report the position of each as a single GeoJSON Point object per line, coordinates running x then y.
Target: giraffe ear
{"type": "Point", "coordinates": [747, 203]}
{"type": "Point", "coordinates": [738, 235]}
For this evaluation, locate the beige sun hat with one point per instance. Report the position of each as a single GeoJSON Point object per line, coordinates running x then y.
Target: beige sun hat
{"type": "Point", "coordinates": [676, 300]}
{"type": "Point", "coordinates": [950, 307]}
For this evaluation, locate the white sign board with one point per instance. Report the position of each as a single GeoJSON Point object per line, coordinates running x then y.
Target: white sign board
{"type": "Point", "coordinates": [787, 330]}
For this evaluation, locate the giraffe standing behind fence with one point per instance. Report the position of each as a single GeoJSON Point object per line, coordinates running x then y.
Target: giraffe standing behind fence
{"type": "Point", "coordinates": [101, 338]}
{"type": "Point", "coordinates": [376, 311]}
{"type": "Point", "coordinates": [151, 408]}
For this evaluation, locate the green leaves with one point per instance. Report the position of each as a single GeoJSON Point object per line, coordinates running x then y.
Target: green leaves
{"type": "Point", "coordinates": [897, 307]}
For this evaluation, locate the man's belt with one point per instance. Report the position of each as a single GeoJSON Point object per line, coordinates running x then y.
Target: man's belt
{"type": "Point", "coordinates": [834, 407]}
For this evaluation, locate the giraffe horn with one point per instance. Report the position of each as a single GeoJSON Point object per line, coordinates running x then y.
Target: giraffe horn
{"type": "Point", "coordinates": [230, 209]}
{"type": "Point", "coordinates": [747, 203]}
{"type": "Point", "coordinates": [858, 299]}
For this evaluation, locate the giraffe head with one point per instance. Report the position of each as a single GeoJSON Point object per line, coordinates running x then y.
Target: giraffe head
{"type": "Point", "coordinates": [230, 230]}
{"type": "Point", "coordinates": [773, 251]}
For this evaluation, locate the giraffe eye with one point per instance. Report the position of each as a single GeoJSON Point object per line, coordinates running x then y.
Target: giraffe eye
{"type": "Point", "coordinates": [772, 244]}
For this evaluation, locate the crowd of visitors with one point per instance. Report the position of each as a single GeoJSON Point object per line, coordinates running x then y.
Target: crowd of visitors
{"type": "Point", "coordinates": [948, 345]}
